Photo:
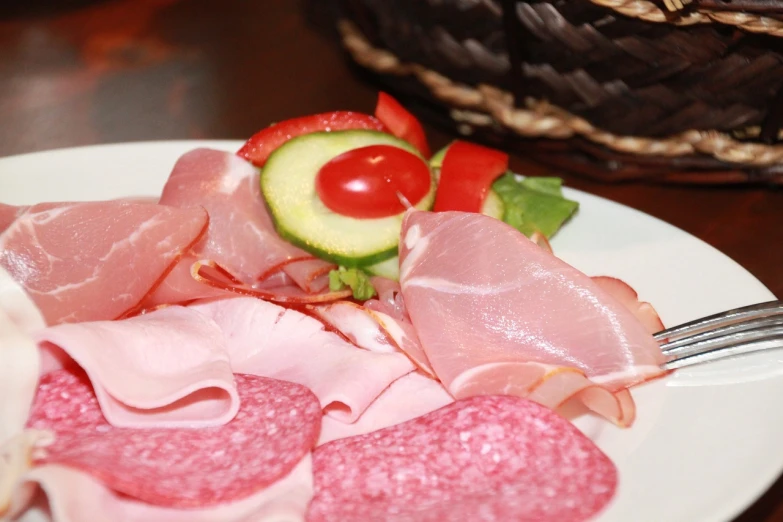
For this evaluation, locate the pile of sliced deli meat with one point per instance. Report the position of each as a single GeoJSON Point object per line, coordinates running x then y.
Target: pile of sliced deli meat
{"type": "Point", "coordinates": [178, 360]}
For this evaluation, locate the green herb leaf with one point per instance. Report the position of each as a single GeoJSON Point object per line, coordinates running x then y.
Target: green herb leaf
{"type": "Point", "coordinates": [354, 278]}
{"type": "Point", "coordinates": [534, 204]}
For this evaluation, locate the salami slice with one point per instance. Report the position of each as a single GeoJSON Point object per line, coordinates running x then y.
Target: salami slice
{"type": "Point", "coordinates": [277, 425]}
{"type": "Point", "coordinates": [487, 458]}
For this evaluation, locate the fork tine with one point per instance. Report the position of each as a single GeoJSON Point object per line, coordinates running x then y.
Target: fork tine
{"type": "Point", "coordinates": [672, 347]}
{"type": "Point", "coordinates": [768, 309]}
{"type": "Point", "coordinates": [724, 341]}
{"type": "Point", "coordinates": [740, 348]}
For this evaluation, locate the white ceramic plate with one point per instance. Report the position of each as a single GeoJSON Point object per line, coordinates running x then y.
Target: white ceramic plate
{"type": "Point", "coordinates": [707, 441]}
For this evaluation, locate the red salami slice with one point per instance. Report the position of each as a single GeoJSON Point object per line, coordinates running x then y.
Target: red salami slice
{"type": "Point", "coordinates": [277, 425]}
{"type": "Point", "coordinates": [485, 458]}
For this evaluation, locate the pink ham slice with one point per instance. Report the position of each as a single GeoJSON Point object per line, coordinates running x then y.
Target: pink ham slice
{"type": "Point", "coordinates": [485, 458]}
{"type": "Point", "coordinates": [389, 300]}
{"type": "Point", "coordinates": [269, 340]}
{"type": "Point", "coordinates": [408, 397]}
{"type": "Point", "coordinates": [180, 468]}
{"type": "Point", "coordinates": [241, 237]}
{"type": "Point", "coordinates": [167, 368]}
{"type": "Point", "coordinates": [96, 260]}
{"type": "Point", "coordinates": [623, 292]}
{"type": "Point", "coordinates": [71, 495]}
{"type": "Point", "coordinates": [356, 323]}
{"type": "Point", "coordinates": [370, 328]}
{"type": "Point", "coordinates": [496, 314]}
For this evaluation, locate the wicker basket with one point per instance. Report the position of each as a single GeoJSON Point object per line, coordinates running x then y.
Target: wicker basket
{"type": "Point", "coordinates": [614, 89]}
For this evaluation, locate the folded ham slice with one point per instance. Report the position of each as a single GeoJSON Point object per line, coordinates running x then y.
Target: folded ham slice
{"type": "Point", "coordinates": [497, 314]}
{"type": "Point", "coordinates": [241, 237]}
{"type": "Point", "coordinates": [269, 340]}
{"type": "Point", "coordinates": [96, 260]}
{"type": "Point", "coordinates": [167, 368]}
{"type": "Point", "coordinates": [408, 397]}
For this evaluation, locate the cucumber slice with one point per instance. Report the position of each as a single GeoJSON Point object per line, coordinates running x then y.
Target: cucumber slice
{"type": "Point", "coordinates": [493, 205]}
{"type": "Point", "coordinates": [288, 186]}
{"type": "Point", "coordinates": [390, 269]}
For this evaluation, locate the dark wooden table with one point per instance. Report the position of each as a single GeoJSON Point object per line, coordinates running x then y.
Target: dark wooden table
{"type": "Point", "coordinates": [77, 72]}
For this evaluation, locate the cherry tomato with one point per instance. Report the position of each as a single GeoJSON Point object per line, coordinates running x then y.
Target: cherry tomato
{"type": "Point", "coordinates": [366, 182]}
{"type": "Point", "coordinates": [263, 143]}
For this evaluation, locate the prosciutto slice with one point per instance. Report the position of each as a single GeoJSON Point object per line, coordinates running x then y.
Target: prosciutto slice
{"type": "Point", "coordinates": [167, 368]}
{"type": "Point", "coordinates": [241, 236]}
{"type": "Point", "coordinates": [181, 286]}
{"type": "Point", "coordinates": [95, 260]}
{"type": "Point", "coordinates": [8, 214]}
{"type": "Point", "coordinates": [496, 314]}
{"type": "Point", "coordinates": [269, 340]}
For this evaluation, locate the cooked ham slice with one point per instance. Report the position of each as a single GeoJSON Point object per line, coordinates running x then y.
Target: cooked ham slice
{"type": "Point", "coordinates": [356, 323]}
{"type": "Point", "coordinates": [70, 495]}
{"type": "Point", "coordinates": [167, 368]}
{"type": "Point", "coordinates": [95, 260]}
{"type": "Point", "coordinates": [408, 397]}
{"type": "Point", "coordinates": [268, 340]}
{"type": "Point", "coordinates": [241, 237]}
{"type": "Point", "coordinates": [497, 314]}
{"type": "Point", "coordinates": [623, 292]}
{"type": "Point", "coordinates": [370, 327]}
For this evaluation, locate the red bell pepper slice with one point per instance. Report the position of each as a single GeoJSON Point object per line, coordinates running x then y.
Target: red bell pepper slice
{"type": "Point", "coordinates": [466, 176]}
{"type": "Point", "coordinates": [258, 148]}
{"type": "Point", "coordinates": [401, 123]}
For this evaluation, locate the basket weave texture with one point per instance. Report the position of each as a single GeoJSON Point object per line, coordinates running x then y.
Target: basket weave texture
{"type": "Point", "coordinates": [626, 86]}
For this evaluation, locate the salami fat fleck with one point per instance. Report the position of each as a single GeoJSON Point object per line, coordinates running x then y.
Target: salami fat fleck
{"type": "Point", "coordinates": [485, 458]}
{"type": "Point", "coordinates": [277, 425]}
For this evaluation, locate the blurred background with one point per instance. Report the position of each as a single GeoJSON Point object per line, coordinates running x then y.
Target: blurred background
{"type": "Point", "coordinates": [79, 72]}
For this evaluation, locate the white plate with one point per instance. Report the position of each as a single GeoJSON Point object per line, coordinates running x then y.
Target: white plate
{"type": "Point", "coordinates": [707, 441]}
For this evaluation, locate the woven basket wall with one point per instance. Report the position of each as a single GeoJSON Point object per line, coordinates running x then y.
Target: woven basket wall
{"type": "Point", "coordinates": [615, 89]}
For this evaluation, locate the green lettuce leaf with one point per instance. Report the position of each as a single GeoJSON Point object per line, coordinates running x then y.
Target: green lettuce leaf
{"type": "Point", "coordinates": [355, 279]}
{"type": "Point", "coordinates": [534, 204]}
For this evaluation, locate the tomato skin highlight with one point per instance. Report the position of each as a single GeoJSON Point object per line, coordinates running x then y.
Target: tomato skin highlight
{"type": "Point", "coordinates": [258, 148]}
{"type": "Point", "coordinates": [466, 176]}
{"type": "Point", "coordinates": [401, 123]}
{"type": "Point", "coordinates": [365, 182]}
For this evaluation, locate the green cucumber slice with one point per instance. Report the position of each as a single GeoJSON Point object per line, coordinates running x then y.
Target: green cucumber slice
{"type": "Point", "coordinates": [288, 186]}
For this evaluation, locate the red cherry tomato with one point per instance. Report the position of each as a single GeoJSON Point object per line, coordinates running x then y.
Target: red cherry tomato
{"type": "Point", "coordinates": [365, 182]}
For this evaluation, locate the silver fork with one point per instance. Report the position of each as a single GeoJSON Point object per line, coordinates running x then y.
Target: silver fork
{"type": "Point", "coordinates": [743, 330]}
